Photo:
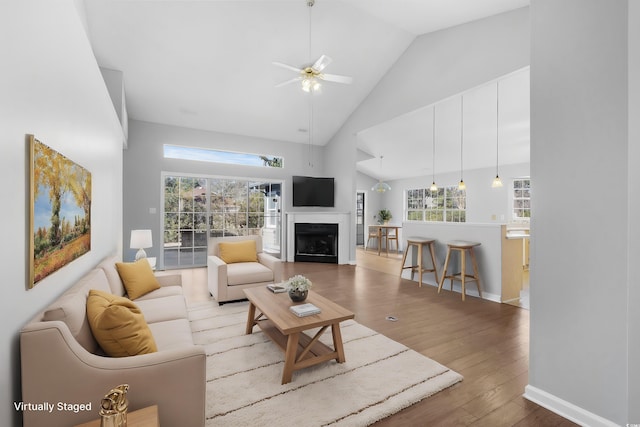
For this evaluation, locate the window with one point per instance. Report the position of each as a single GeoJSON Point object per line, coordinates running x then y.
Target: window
{"type": "Point", "coordinates": [522, 199]}
{"type": "Point", "coordinates": [196, 208]}
{"type": "Point", "coordinates": [219, 156]}
{"type": "Point", "coordinates": [447, 204]}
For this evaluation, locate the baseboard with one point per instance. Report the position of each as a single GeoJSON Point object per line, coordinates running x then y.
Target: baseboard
{"type": "Point", "coordinates": [565, 409]}
{"type": "Point", "coordinates": [456, 288]}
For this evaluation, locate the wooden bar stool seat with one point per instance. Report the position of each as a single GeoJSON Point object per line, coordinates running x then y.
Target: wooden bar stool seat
{"type": "Point", "coordinates": [419, 243]}
{"type": "Point", "coordinates": [462, 247]}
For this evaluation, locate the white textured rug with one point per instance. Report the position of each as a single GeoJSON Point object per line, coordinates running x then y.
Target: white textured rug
{"type": "Point", "coordinates": [244, 372]}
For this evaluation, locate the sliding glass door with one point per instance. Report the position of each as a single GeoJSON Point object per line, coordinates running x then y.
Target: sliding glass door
{"type": "Point", "coordinates": [197, 207]}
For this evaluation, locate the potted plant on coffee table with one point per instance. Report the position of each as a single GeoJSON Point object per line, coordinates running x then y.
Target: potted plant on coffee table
{"type": "Point", "coordinates": [298, 287]}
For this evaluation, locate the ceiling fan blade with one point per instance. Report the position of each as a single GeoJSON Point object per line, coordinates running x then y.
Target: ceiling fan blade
{"type": "Point", "coordinates": [293, 80]}
{"type": "Point", "coordinates": [288, 67]}
{"type": "Point", "coordinates": [321, 63]}
{"type": "Point", "coordinates": [336, 78]}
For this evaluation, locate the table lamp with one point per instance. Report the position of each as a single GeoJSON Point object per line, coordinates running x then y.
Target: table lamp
{"type": "Point", "coordinates": [140, 239]}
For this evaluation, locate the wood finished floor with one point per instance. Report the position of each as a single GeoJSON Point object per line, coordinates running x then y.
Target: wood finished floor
{"type": "Point", "coordinates": [486, 342]}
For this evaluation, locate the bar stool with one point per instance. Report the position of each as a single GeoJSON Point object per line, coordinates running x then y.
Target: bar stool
{"type": "Point", "coordinates": [419, 242]}
{"type": "Point", "coordinates": [462, 247]}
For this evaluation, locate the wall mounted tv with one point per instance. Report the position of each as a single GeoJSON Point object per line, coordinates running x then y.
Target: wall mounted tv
{"type": "Point", "coordinates": [311, 191]}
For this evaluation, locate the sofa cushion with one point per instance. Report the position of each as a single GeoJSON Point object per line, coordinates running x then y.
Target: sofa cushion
{"type": "Point", "coordinates": [137, 277]}
{"type": "Point", "coordinates": [71, 308]}
{"type": "Point", "coordinates": [118, 325]}
{"type": "Point", "coordinates": [115, 283]}
{"type": "Point", "coordinates": [161, 309]}
{"type": "Point", "coordinates": [248, 272]}
{"type": "Point", "coordinates": [172, 334]}
{"type": "Point", "coordinates": [241, 251]}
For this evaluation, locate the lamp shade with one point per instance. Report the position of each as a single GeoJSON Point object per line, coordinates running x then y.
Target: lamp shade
{"type": "Point", "coordinates": [381, 187]}
{"type": "Point", "coordinates": [140, 239]}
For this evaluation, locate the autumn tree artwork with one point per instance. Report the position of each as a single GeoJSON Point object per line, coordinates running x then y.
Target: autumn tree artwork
{"type": "Point", "coordinates": [60, 211]}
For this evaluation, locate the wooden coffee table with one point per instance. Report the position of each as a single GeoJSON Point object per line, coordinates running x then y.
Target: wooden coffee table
{"type": "Point", "coordinates": [286, 329]}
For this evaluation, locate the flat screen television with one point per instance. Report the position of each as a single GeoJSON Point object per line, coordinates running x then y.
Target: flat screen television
{"type": "Point", "coordinates": [312, 191]}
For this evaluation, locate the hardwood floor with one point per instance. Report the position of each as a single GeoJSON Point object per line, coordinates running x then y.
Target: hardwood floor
{"type": "Point", "coordinates": [486, 342]}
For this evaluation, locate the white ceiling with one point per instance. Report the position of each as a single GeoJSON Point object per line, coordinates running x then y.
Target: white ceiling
{"type": "Point", "coordinates": [207, 64]}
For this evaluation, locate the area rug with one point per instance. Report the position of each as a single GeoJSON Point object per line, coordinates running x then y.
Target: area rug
{"type": "Point", "coordinates": [244, 372]}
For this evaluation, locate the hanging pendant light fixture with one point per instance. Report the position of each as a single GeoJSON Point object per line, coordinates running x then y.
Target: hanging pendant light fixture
{"type": "Point", "coordinates": [461, 184]}
{"type": "Point", "coordinates": [380, 186]}
{"type": "Point", "coordinates": [433, 187]}
{"type": "Point", "coordinates": [497, 182]}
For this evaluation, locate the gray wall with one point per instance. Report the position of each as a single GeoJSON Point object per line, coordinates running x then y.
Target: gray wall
{"type": "Point", "coordinates": [144, 164]}
{"type": "Point", "coordinates": [52, 88]}
{"type": "Point", "coordinates": [580, 150]}
{"type": "Point", "coordinates": [435, 66]}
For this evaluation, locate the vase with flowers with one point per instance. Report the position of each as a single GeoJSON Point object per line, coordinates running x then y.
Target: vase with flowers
{"type": "Point", "coordinates": [298, 287]}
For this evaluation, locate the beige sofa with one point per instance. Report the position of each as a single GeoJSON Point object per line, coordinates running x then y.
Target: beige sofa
{"type": "Point", "coordinates": [227, 282]}
{"type": "Point", "coordinates": [62, 362]}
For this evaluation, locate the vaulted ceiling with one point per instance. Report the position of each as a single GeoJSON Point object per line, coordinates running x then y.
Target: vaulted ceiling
{"type": "Point", "coordinates": [208, 64]}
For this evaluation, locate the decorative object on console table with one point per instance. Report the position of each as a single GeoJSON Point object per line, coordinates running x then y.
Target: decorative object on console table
{"type": "Point", "coordinates": [298, 287]}
{"type": "Point", "coordinates": [141, 239]}
{"type": "Point", "coordinates": [113, 407]}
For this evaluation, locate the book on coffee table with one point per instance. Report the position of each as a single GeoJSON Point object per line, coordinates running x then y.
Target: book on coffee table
{"type": "Point", "coordinates": [303, 310]}
{"type": "Point", "coordinates": [276, 288]}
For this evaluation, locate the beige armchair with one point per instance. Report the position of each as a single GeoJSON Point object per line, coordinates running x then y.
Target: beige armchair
{"type": "Point", "coordinates": [227, 281]}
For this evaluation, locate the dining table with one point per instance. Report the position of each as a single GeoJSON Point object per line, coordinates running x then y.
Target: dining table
{"type": "Point", "coordinates": [382, 231]}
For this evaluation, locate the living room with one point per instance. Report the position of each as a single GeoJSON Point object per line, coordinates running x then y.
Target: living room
{"type": "Point", "coordinates": [583, 331]}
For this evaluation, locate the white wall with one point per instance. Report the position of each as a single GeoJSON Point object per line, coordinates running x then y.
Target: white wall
{"type": "Point", "coordinates": [51, 87]}
{"type": "Point", "coordinates": [580, 177]}
{"type": "Point", "coordinates": [143, 184]}
{"type": "Point", "coordinates": [634, 211]}
{"type": "Point", "coordinates": [484, 203]}
{"type": "Point", "coordinates": [435, 66]}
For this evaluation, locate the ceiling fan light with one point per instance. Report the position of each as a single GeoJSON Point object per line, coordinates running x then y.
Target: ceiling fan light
{"type": "Point", "coordinates": [497, 182]}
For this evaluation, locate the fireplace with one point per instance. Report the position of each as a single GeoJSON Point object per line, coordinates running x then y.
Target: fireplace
{"type": "Point", "coordinates": [315, 242]}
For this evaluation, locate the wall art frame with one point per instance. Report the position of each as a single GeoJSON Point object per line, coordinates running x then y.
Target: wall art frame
{"type": "Point", "coordinates": [59, 211]}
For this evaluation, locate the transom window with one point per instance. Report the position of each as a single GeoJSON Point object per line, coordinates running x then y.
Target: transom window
{"type": "Point", "coordinates": [220, 156]}
{"type": "Point", "coordinates": [522, 199]}
{"type": "Point", "coordinates": [447, 204]}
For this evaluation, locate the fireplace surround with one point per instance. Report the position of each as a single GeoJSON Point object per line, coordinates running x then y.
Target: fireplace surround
{"type": "Point", "coordinates": [342, 219]}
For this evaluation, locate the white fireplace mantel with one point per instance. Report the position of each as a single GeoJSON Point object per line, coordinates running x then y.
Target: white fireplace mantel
{"type": "Point", "coordinates": [340, 218]}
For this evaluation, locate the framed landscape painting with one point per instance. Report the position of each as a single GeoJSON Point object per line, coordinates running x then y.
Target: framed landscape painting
{"type": "Point", "coordinates": [60, 211]}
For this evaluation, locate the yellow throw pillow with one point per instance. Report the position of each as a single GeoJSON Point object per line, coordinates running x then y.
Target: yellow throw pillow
{"type": "Point", "coordinates": [118, 325]}
{"type": "Point", "coordinates": [137, 278]}
{"type": "Point", "coordinates": [240, 251]}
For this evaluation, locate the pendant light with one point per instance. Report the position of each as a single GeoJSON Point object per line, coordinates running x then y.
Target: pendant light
{"type": "Point", "coordinates": [433, 187]}
{"type": "Point", "coordinates": [380, 186]}
{"type": "Point", "coordinates": [461, 184]}
{"type": "Point", "coordinates": [497, 182]}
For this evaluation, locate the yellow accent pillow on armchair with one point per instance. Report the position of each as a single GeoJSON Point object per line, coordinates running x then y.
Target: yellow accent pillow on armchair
{"type": "Point", "coordinates": [118, 325]}
{"type": "Point", "coordinates": [241, 251]}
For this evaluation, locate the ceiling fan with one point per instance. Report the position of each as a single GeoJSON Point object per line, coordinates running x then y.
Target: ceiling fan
{"type": "Point", "coordinates": [311, 75]}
